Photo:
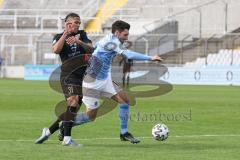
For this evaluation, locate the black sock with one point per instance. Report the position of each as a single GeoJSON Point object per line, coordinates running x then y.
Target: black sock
{"type": "Point", "coordinates": [68, 120]}
{"type": "Point", "coordinates": [55, 126]}
{"type": "Point", "coordinates": [67, 125]}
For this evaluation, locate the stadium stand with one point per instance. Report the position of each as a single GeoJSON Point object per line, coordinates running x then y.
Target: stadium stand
{"type": "Point", "coordinates": [23, 23]}
{"type": "Point", "coordinates": [182, 31]}
{"type": "Point", "coordinates": [1, 3]}
{"type": "Point", "coordinates": [224, 58]}
{"type": "Point", "coordinates": [104, 12]}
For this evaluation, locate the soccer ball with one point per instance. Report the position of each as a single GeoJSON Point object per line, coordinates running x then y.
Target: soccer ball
{"type": "Point", "coordinates": [160, 132]}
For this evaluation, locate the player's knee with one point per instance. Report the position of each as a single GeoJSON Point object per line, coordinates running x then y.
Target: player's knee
{"type": "Point", "coordinates": [92, 114]}
{"type": "Point", "coordinates": [92, 118]}
{"type": "Point", "coordinates": [127, 101]}
{"type": "Point", "coordinates": [73, 101]}
{"type": "Point", "coordinates": [124, 98]}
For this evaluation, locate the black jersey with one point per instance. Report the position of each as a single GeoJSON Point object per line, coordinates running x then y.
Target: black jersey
{"type": "Point", "coordinates": [71, 52]}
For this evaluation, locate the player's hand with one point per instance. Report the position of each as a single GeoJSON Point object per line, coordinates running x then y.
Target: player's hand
{"type": "Point", "coordinates": [67, 29]}
{"type": "Point", "coordinates": [157, 58]}
{"type": "Point", "coordinates": [71, 40]}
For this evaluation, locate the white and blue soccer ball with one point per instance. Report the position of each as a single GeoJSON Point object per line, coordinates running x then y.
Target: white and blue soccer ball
{"type": "Point", "coordinates": [160, 132]}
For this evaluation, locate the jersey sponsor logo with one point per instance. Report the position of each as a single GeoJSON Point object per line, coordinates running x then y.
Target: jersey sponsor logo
{"type": "Point", "coordinates": [73, 47]}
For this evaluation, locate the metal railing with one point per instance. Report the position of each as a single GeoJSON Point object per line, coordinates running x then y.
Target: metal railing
{"type": "Point", "coordinates": [46, 20]}
{"type": "Point", "coordinates": [176, 49]}
{"type": "Point", "coordinates": [197, 19]}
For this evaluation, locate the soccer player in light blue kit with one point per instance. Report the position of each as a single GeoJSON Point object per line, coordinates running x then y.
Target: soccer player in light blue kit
{"type": "Point", "coordinates": [97, 81]}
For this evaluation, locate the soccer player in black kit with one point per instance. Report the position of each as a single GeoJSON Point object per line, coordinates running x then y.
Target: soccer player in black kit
{"type": "Point", "coordinates": [73, 47]}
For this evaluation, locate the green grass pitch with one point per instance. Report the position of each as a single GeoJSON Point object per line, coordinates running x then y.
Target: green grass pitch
{"type": "Point", "coordinates": [203, 122]}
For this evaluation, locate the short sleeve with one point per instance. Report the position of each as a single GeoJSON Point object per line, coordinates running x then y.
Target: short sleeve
{"type": "Point", "coordinates": [56, 38]}
{"type": "Point", "coordinates": [84, 37]}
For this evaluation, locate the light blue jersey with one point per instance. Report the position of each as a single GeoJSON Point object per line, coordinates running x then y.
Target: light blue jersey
{"type": "Point", "coordinates": [105, 50]}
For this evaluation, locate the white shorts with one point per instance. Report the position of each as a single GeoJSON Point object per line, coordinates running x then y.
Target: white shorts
{"type": "Point", "coordinates": [95, 89]}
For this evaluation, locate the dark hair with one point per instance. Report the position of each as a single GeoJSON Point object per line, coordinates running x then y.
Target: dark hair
{"type": "Point", "coordinates": [72, 15]}
{"type": "Point", "coordinates": [120, 26]}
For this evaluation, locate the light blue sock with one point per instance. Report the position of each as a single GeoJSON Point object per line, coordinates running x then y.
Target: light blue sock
{"type": "Point", "coordinates": [81, 118]}
{"type": "Point", "coordinates": [123, 116]}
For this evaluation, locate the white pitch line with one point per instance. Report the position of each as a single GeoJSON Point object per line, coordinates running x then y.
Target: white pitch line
{"type": "Point", "coordinates": [90, 139]}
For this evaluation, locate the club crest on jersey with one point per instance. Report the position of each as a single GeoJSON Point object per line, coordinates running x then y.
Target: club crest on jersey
{"type": "Point", "coordinates": [110, 46]}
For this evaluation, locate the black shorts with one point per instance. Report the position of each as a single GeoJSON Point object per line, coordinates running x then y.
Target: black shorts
{"type": "Point", "coordinates": [72, 85]}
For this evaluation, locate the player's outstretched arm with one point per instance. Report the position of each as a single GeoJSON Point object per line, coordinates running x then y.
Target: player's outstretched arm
{"type": "Point", "coordinates": [157, 58]}
{"type": "Point", "coordinates": [141, 57]}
